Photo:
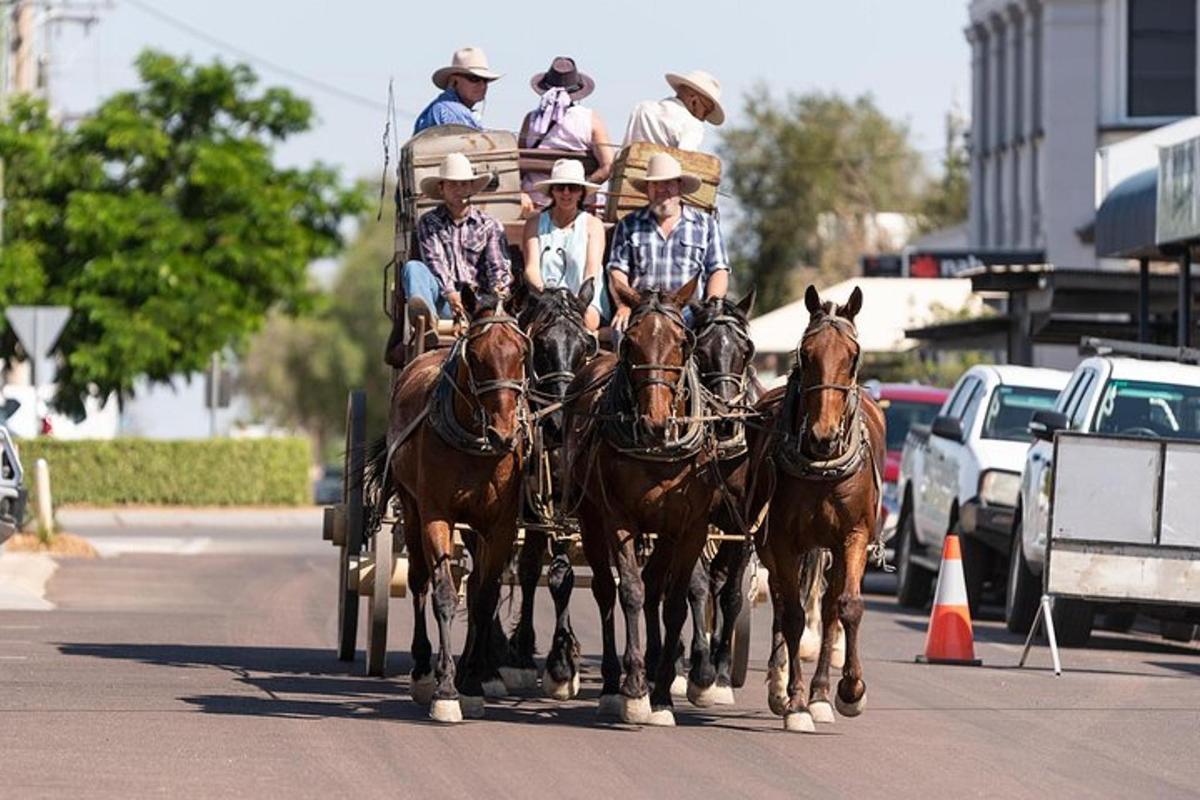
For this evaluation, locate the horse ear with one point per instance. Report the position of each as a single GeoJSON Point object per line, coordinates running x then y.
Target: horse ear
{"type": "Point", "coordinates": [853, 305]}
{"type": "Point", "coordinates": [627, 294]}
{"type": "Point", "coordinates": [587, 292]}
{"type": "Point", "coordinates": [746, 304]}
{"type": "Point", "coordinates": [812, 300]}
{"type": "Point", "coordinates": [469, 300]}
{"type": "Point", "coordinates": [681, 298]}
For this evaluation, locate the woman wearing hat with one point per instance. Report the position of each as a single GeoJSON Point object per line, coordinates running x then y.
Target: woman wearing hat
{"type": "Point", "coordinates": [561, 123]}
{"type": "Point", "coordinates": [678, 121]}
{"type": "Point", "coordinates": [564, 245]}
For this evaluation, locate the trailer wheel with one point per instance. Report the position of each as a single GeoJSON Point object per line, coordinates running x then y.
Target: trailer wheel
{"type": "Point", "coordinates": [740, 645]}
{"type": "Point", "coordinates": [382, 543]}
{"type": "Point", "coordinates": [352, 498]}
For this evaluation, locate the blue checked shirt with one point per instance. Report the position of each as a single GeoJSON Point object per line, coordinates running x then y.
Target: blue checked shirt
{"type": "Point", "coordinates": [446, 109]}
{"type": "Point", "coordinates": [695, 247]}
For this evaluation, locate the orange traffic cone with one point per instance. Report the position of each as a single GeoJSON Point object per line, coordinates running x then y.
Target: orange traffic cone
{"type": "Point", "coordinates": [950, 640]}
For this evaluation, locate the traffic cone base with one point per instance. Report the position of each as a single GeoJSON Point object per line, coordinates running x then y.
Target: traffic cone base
{"type": "Point", "coordinates": [950, 639]}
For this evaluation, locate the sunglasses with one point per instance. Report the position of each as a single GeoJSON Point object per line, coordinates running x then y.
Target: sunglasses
{"type": "Point", "coordinates": [469, 78]}
{"type": "Point", "coordinates": [565, 187]}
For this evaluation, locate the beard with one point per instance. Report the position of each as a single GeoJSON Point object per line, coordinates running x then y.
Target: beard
{"type": "Point", "coordinates": [668, 207]}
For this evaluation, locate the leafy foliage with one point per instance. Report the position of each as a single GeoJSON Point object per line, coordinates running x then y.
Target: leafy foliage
{"type": "Point", "coordinates": [945, 202]}
{"type": "Point", "coordinates": [162, 220]}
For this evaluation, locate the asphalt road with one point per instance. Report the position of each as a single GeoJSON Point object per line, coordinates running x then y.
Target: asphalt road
{"type": "Point", "coordinates": [199, 660]}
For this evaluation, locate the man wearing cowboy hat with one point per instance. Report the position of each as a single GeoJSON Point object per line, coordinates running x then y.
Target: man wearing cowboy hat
{"type": "Point", "coordinates": [666, 243]}
{"type": "Point", "coordinates": [459, 245]}
{"type": "Point", "coordinates": [464, 84]}
{"type": "Point", "coordinates": [678, 121]}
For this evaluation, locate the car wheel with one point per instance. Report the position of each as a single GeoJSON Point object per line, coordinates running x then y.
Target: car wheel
{"type": "Point", "coordinates": [975, 563]}
{"type": "Point", "coordinates": [1073, 622]}
{"type": "Point", "coordinates": [1023, 593]}
{"type": "Point", "coordinates": [1177, 631]}
{"type": "Point", "coordinates": [914, 584]}
{"type": "Point", "coordinates": [1119, 618]}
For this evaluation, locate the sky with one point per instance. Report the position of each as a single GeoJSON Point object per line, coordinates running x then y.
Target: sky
{"type": "Point", "coordinates": [911, 56]}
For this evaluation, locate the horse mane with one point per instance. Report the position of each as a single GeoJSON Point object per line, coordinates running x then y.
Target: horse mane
{"type": "Point", "coordinates": [704, 312]}
{"type": "Point", "coordinates": [554, 301]}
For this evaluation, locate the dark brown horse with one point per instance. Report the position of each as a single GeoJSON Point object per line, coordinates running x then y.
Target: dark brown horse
{"type": "Point", "coordinates": [817, 463]}
{"type": "Point", "coordinates": [455, 446]}
{"type": "Point", "coordinates": [636, 465]}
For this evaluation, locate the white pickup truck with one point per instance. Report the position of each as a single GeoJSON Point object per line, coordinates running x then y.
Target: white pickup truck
{"type": "Point", "coordinates": [1106, 394]}
{"type": "Point", "coordinates": [962, 473]}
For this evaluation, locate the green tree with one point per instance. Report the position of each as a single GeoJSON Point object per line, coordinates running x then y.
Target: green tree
{"type": "Point", "coordinates": [946, 200]}
{"type": "Point", "coordinates": [163, 221]}
{"type": "Point", "coordinates": [796, 159]}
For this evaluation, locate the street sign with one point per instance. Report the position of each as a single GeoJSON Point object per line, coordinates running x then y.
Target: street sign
{"type": "Point", "coordinates": [38, 328]}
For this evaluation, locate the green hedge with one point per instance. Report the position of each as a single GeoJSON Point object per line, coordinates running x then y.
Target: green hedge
{"type": "Point", "coordinates": [205, 472]}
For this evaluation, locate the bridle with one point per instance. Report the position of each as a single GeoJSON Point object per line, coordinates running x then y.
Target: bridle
{"type": "Point", "coordinates": [539, 383]}
{"type": "Point", "coordinates": [477, 388]}
{"type": "Point", "coordinates": [715, 378]}
{"type": "Point", "coordinates": [636, 383]}
{"type": "Point", "coordinates": [847, 329]}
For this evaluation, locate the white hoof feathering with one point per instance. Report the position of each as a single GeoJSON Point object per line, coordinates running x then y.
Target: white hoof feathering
{"type": "Point", "coordinates": [495, 688]}
{"type": "Point", "coordinates": [445, 711]}
{"type": "Point", "coordinates": [850, 709]}
{"type": "Point", "coordinates": [610, 706]}
{"type": "Point", "coordinates": [635, 710]}
{"type": "Point", "coordinates": [519, 679]}
{"type": "Point", "coordinates": [422, 690]}
{"type": "Point", "coordinates": [821, 711]}
{"type": "Point", "coordinates": [799, 722]}
{"type": "Point", "coordinates": [679, 686]}
{"type": "Point", "coordinates": [564, 690]}
{"type": "Point", "coordinates": [701, 696]}
{"type": "Point", "coordinates": [723, 695]}
{"type": "Point", "coordinates": [810, 645]}
{"type": "Point", "coordinates": [838, 659]}
{"type": "Point", "coordinates": [662, 717]}
{"type": "Point", "coordinates": [472, 707]}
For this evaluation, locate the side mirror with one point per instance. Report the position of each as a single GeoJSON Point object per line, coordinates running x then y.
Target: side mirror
{"type": "Point", "coordinates": [10, 407]}
{"type": "Point", "coordinates": [1045, 423]}
{"type": "Point", "coordinates": [947, 428]}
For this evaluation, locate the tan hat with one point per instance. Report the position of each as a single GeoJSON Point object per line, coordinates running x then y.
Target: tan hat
{"type": "Point", "coordinates": [566, 171]}
{"type": "Point", "coordinates": [467, 61]}
{"type": "Point", "coordinates": [706, 85]}
{"type": "Point", "coordinates": [455, 167]}
{"type": "Point", "coordinates": [663, 167]}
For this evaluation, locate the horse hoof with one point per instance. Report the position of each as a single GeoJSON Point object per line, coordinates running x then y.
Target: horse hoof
{"type": "Point", "coordinates": [610, 706]}
{"type": "Point", "coordinates": [445, 711]}
{"type": "Point", "coordinates": [778, 703]}
{"type": "Point", "coordinates": [850, 709]}
{"type": "Point", "coordinates": [701, 696]}
{"type": "Point", "coordinates": [722, 695]}
{"type": "Point", "coordinates": [495, 688]}
{"type": "Point", "coordinates": [519, 679]}
{"type": "Point", "coordinates": [560, 690]}
{"type": "Point", "coordinates": [662, 717]}
{"type": "Point", "coordinates": [471, 707]}
{"type": "Point", "coordinates": [821, 712]}
{"type": "Point", "coordinates": [679, 686]}
{"type": "Point", "coordinates": [810, 645]}
{"type": "Point", "coordinates": [798, 722]}
{"type": "Point", "coordinates": [635, 710]}
{"type": "Point", "coordinates": [422, 690]}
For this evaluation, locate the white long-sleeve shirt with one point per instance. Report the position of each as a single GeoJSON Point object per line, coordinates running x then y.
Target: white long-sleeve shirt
{"type": "Point", "coordinates": [666, 122]}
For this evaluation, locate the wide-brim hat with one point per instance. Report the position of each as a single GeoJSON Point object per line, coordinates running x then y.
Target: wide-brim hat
{"type": "Point", "coordinates": [563, 74]}
{"type": "Point", "coordinates": [466, 61]}
{"type": "Point", "coordinates": [663, 167]}
{"type": "Point", "coordinates": [455, 167]}
{"type": "Point", "coordinates": [566, 171]}
{"type": "Point", "coordinates": [706, 85]}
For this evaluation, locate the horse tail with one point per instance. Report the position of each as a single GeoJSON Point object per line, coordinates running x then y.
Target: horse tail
{"type": "Point", "coordinates": [375, 471]}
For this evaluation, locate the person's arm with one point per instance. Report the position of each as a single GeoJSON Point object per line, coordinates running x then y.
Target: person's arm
{"type": "Point", "coordinates": [621, 315]}
{"type": "Point", "coordinates": [524, 132]}
{"type": "Point", "coordinates": [497, 267]}
{"type": "Point", "coordinates": [593, 268]}
{"type": "Point", "coordinates": [603, 150]}
{"type": "Point", "coordinates": [533, 255]}
{"type": "Point", "coordinates": [717, 284]}
{"type": "Point", "coordinates": [716, 262]}
{"type": "Point", "coordinates": [433, 253]}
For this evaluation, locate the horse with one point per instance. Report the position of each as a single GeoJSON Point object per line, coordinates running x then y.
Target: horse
{"type": "Point", "coordinates": [634, 436]}
{"type": "Point", "coordinates": [724, 353]}
{"type": "Point", "coordinates": [454, 453]}
{"type": "Point", "coordinates": [817, 481]}
{"type": "Point", "coordinates": [562, 344]}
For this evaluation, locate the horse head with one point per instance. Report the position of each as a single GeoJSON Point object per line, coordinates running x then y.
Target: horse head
{"type": "Point", "coordinates": [724, 349]}
{"type": "Point", "coordinates": [654, 354]}
{"type": "Point", "coordinates": [562, 344]}
{"type": "Point", "coordinates": [492, 367]}
{"type": "Point", "coordinates": [827, 358]}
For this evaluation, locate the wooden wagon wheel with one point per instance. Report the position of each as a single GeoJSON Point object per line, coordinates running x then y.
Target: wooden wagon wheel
{"type": "Point", "coordinates": [352, 499]}
{"type": "Point", "coordinates": [741, 633]}
{"type": "Point", "coordinates": [382, 543]}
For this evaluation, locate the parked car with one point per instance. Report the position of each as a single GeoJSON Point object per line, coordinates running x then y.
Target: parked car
{"type": "Point", "coordinates": [327, 489]}
{"type": "Point", "coordinates": [904, 405]}
{"type": "Point", "coordinates": [1110, 395]}
{"type": "Point", "coordinates": [13, 493]}
{"type": "Point", "coordinates": [963, 474]}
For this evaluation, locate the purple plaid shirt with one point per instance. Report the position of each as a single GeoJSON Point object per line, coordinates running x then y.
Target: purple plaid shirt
{"type": "Point", "coordinates": [473, 252]}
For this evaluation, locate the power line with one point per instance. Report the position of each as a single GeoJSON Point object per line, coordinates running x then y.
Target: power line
{"type": "Point", "coordinates": [299, 77]}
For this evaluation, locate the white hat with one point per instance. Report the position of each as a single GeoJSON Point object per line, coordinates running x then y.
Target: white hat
{"type": "Point", "coordinates": [567, 171]}
{"type": "Point", "coordinates": [663, 167]}
{"type": "Point", "coordinates": [455, 167]}
{"type": "Point", "coordinates": [467, 61]}
{"type": "Point", "coordinates": [706, 85]}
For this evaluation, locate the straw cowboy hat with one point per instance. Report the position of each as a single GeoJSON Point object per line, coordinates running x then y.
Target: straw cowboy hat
{"type": "Point", "coordinates": [563, 74]}
{"type": "Point", "coordinates": [455, 167]}
{"type": "Point", "coordinates": [566, 171]}
{"type": "Point", "coordinates": [663, 167]}
{"type": "Point", "coordinates": [706, 85]}
{"type": "Point", "coordinates": [467, 61]}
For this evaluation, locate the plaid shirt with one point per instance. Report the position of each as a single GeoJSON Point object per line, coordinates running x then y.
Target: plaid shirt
{"type": "Point", "coordinates": [474, 252]}
{"type": "Point", "coordinates": [651, 261]}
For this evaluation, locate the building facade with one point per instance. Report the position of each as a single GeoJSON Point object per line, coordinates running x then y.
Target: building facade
{"type": "Point", "coordinates": [1053, 80]}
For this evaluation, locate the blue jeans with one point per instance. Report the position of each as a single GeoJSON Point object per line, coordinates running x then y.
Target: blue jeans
{"type": "Point", "coordinates": [417, 281]}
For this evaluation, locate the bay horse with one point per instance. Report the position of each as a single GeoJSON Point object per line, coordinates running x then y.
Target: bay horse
{"type": "Point", "coordinates": [454, 454]}
{"type": "Point", "coordinates": [817, 462]}
{"type": "Point", "coordinates": [635, 465]}
{"type": "Point", "coordinates": [553, 319]}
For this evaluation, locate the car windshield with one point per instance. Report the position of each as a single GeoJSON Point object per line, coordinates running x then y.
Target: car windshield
{"type": "Point", "coordinates": [901, 415]}
{"type": "Point", "coordinates": [1011, 407]}
{"type": "Point", "coordinates": [1141, 408]}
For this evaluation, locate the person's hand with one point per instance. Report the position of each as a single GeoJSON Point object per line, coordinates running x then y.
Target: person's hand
{"type": "Point", "coordinates": [456, 305]}
{"type": "Point", "coordinates": [621, 319]}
